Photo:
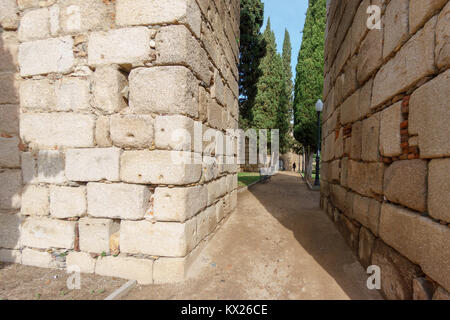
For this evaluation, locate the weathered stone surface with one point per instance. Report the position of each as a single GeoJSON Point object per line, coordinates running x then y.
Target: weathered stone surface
{"type": "Point", "coordinates": [422, 289]}
{"type": "Point", "coordinates": [365, 98]}
{"type": "Point", "coordinates": [43, 233]}
{"type": "Point", "coordinates": [178, 204]}
{"type": "Point", "coordinates": [92, 164]}
{"type": "Point", "coordinates": [397, 272]}
{"type": "Point", "coordinates": [35, 201]}
{"type": "Point", "coordinates": [95, 234]}
{"type": "Point", "coordinates": [390, 138]}
{"type": "Point", "coordinates": [365, 248]}
{"type": "Point", "coordinates": [349, 231]}
{"type": "Point", "coordinates": [137, 12]}
{"type": "Point", "coordinates": [366, 178]}
{"type": "Point", "coordinates": [120, 200]}
{"type": "Point", "coordinates": [48, 130]}
{"type": "Point", "coordinates": [420, 11]}
{"type": "Point", "coordinates": [132, 131]}
{"type": "Point", "coordinates": [151, 90]}
{"type": "Point", "coordinates": [370, 55]}
{"type": "Point", "coordinates": [82, 260]}
{"type": "Point", "coordinates": [10, 256]}
{"type": "Point", "coordinates": [170, 270]}
{"type": "Point", "coordinates": [338, 195]}
{"type": "Point", "coordinates": [120, 46]}
{"type": "Point", "coordinates": [34, 25]}
{"type": "Point", "coordinates": [67, 202]}
{"type": "Point", "coordinates": [72, 94]}
{"type": "Point", "coordinates": [9, 121]}
{"type": "Point", "coordinates": [441, 294]}
{"type": "Point", "coordinates": [366, 211]}
{"type": "Point", "coordinates": [37, 95]}
{"type": "Point", "coordinates": [10, 189]}
{"type": "Point", "coordinates": [35, 258]}
{"type": "Point", "coordinates": [438, 189]}
{"type": "Point", "coordinates": [9, 152]}
{"type": "Point", "coordinates": [335, 171]}
{"type": "Point", "coordinates": [405, 182]}
{"type": "Point", "coordinates": [125, 267]}
{"type": "Point", "coordinates": [442, 35]}
{"type": "Point", "coordinates": [395, 26]}
{"type": "Point", "coordinates": [216, 189]}
{"type": "Point", "coordinates": [50, 167]}
{"type": "Point", "coordinates": [9, 19]}
{"type": "Point", "coordinates": [167, 239]}
{"type": "Point", "coordinates": [414, 61]}
{"type": "Point", "coordinates": [46, 56]}
{"type": "Point", "coordinates": [177, 46]}
{"type": "Point", "coordinates": [421, 240]}
{"type": "Point", "coordinates": [370, 138]}
{"type": "Point", "coordinates": [10, 230]}
{"type": "Point", "coordinates": [429, 117]}
{"type": "Point", "coordinates": [350, 109]}
{"type": "Point", "coordinates": [9, 88]}
{"type": "Point", "coordinates": [109, 86]}
{"type": "Point", "coordinates": [356, 141]}
{"type": "Point", "coordinates": [159, 167]}
{"type": "Point", "coordinates": [175, 133]}
{"type": "Point", "coordinates": [102, 132]}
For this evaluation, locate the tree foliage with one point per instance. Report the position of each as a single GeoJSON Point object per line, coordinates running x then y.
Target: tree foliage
{"type": "Point", "coordinates": [309, 78]}
{"type": "Point", "coordinates": [251, 47]}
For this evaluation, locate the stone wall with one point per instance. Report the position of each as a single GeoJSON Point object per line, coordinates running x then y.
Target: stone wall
{"type": "Point", "coordinates": [386, 147]}
{"type": "Point", "coordinates": [98, 89]}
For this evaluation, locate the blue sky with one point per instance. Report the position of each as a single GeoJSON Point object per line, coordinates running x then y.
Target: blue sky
{"type": "Point", "coordinates": [288, 14]}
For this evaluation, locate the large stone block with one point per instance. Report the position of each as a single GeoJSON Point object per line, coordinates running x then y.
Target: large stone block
{"type": "Point", "coordinates": [125, 267]}
{"type": "Point", "coordinates": [10, 189]}
{"type": "Point", "coordinates": [338, 196]}
{"type": "Point", "coordinates": [178, 204]}
{"type": "Point", "coordinates": [40, 259]}
{"type": "Point", "coordinates": [35, 201]}
{"type": "Point", "coordinates": [366, 178]}
{"type": "Point", "coordinates": [414, 61]}
{"type": "Point", "coordinates": [420, 11]}
{"type": "Point", "coordinates": [438, 189]}
{"type": "Point", "coordinates": [9, 88]}
{"type": "Point", "coordinates": [9, 18]}
{"type": "Point", "coordinates": [366, 211]}
{"type": "Point", "coordinates": [46, 56]}
{"type": "Point", "coordinates": [350, 108]}
{"type": "Point", "coordinates": [356, 141]}
{"type": "Point", "coordinates": [370, 138]}
{"type": "Point", "coordinates": [206, 222]}
{"type": "Point", "coordinates": [442, 35]}
{"type": "Point", "coordinates": [429, 117]}
{"type": "Point", "coordinates": [9, 152]}
{"type": "Point", "coordinates": [120, 46]}
{"type": "Point", "coordinates": [175, 133]}
{"type": "Point", "coordinates": [109, 86]}
{"type": "Point", "coordinates": [421, 240]}
{"type": "Point", "coordinates": [143, 12]}
{"type": "Point", "coordinates": [50, 168]}
{"type": "Point", "coordinates": [35, 25]}
{"type": "Point", "coordinates": [132, 131]}
{"type": "Point", "coordinates": [151, 90]}
{"type": "Point", "coordinates": [395, 26]}
{"type": "Point", "coordinates": [92, 164]}
{"type": "Point", "coordinates": [82, 260]}
{"type": "Point", "coordinates": [405, 182]}
{"type": "Point", "coordinates": [72, 94]}
{"type": "Point", "coordinates": [118, 201]}
{"type": "Point", "coordinates": [67, 202]}
{"type": "Point", "coordinates": [176, 46]}
{"type": "Point", "coordinates": [95, 234]}
{"type": "Point", "coordinates": [167, 239]}
{"type": "Point", "coordinates": [10, 256]}
{"type": "Point", "coordinates": [365, 248]}
{"type": "Point", "coordinates": [159, 167]}
{"type": "Point", "coordinates": [370, 56]}
{"type": "Point", "coordinates": [102, 132]}
{"type": "Point", "coordinates": [9, 121]}
{"type": "Point", "coordinates": [390, 139]}
{"type": "Point", "coordinates": [349, 231]}
{"type": "Point", "coordinates": [49, 130]}
{"type": "Point", "coordinates": [44, 233]}
{"type": "Point", "coordinates": [37, 95]}
{"type": "Point", "coordinates": [9, 52]}
{"type": "Point", "coordinates": [10, 230]}
{"type": "Point", "coordinates": [397, 272]}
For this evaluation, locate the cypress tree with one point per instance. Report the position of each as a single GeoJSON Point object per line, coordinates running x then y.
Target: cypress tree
{"type": "Point", "coordinates": [309, 78]}
{"type": "Point", "coordinates": [251, 48]}
{"type": "Point", "coordinates": [287, 56]}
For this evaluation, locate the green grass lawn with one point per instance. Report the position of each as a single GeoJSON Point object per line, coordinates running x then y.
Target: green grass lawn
{"type": "Point", "coordinates": [247, 178]}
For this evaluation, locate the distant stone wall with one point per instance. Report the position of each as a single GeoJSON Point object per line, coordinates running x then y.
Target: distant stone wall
{"type": "Point", "coordinates": [386, 147]}
{"type": "Point", "coordinates": [102, 86]}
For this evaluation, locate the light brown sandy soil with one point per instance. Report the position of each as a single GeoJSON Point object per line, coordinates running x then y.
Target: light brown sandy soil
{"type": "Point", "coordinates": [19, 282]}
{"type": "Point", "coordinates": [277, 245]}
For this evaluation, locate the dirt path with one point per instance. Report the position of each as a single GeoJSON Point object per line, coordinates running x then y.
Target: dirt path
{"type": "Point", "coordinates": [278, 245]}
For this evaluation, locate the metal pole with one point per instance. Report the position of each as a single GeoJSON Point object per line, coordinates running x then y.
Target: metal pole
{"type": "Point", "coordinates": [317, 181]}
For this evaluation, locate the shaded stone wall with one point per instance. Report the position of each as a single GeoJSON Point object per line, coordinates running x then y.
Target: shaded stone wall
{"type": "Point", "coordinates": [386, 166]}
{"type": "Point", "coordinates": [103, 85]}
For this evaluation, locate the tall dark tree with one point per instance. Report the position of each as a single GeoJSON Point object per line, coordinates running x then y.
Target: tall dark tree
{"type": "Point", "coordinates": [309, 78]}
{"type": "Point", "coordinates": [251, 47]}
{"type": "Point", "coordinates": [287, 56]}
{"type": "Point", "coordinates": [270, 108]}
